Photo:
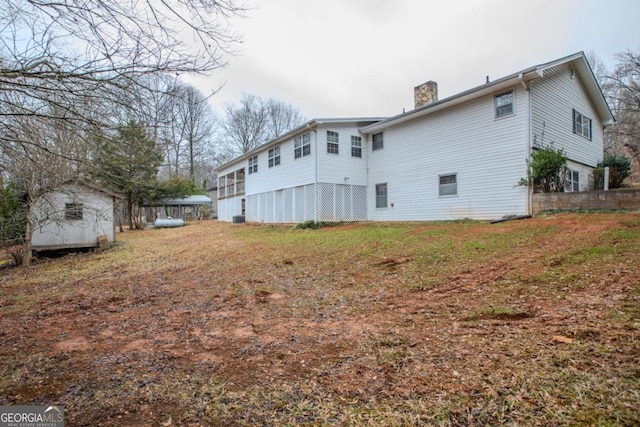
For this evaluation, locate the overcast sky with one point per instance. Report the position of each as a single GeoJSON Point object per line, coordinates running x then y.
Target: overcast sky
{"type": "Point", "coordinates": [355, 58]}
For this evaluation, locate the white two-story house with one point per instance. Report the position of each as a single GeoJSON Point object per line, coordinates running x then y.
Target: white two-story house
{"type": "Point", "coordinates": [459, 157]}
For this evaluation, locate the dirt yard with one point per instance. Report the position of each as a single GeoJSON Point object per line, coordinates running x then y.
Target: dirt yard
{"type": "Point", "coordinates": [529, 322]}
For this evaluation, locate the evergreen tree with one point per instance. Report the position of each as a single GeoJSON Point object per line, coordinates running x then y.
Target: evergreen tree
{"type": "Point", "coordinates": [128, 163]}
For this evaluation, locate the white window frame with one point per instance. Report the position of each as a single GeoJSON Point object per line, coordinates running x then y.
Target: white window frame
{"type": "Point", "coordinates": [571, 181]}
{"type": "Point", "coordinates": [253, 164]}
{"type": "Point", "coordinates": [444, 189]}
{"type": "Point", "coordinates": [498, 104]}
{"type": "Point", "coordinates": [582, 125]}
{"type": "Point", "coordinates": [302, 146]}
{"type": "Point", "coordinates": [356, 146]}
{"type": "Point", "coordinates": [377, 143]}
{"type": "Point", "coordinates": [333, 142]}
{"type": "Point", "coordinates": [380, 197]}
{"type": "Point", "coordinates": [274, 156]}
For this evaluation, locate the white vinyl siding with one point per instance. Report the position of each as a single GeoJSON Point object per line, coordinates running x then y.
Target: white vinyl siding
{"type": "Point", "coordinates": [553, 99]}
{"type": "Point", "coordinates": [340, 169]}
{"type": "Point", "coordinates": [319, 186]}
{"type": "Point", "coordinates": [487, 155]}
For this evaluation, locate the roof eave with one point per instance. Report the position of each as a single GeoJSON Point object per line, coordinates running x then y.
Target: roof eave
{"type": "Point", "coordinates": [462, 97]}
{"type": "Point", "coordinates": [310, 125]}
{"type": "Point", "coordinates": [524, 77]}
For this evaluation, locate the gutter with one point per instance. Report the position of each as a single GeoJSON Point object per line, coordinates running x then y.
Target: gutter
{"type": "Point", "coordinates": [488, 88]}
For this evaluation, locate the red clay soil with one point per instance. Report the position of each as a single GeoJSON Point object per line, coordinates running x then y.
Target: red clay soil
{"type": "Point", "coordinates": [110, 338]}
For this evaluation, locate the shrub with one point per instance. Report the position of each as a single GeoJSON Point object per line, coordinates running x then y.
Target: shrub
{"type": "Point", "coordinates": [311, 224]}
{"type": "Point", "coordinates": [619, 168]}
{"type": "Point", "coordinates": [546, 170]}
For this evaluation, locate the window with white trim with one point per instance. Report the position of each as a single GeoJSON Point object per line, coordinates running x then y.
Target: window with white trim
{"type": "Point", "coordinates": [274, 156]}
{"type": "Point", "coordinates": [381, 195]}
{"type": "Point", "coordinates": [581, 125]}
{"type": "Point", "coordinates": [73, 211]}
{"type": "Point", "coordinates": [253, 165]}
{"type": "Point", "coordinates": [302, 146]}
{"type": "Point", "coordinates": [333, 146]}
{"type": "Point", "coordinates": [356, 146]}
{"type": "Point", "coordinates": [448, 185]}
{"type": "Point", "coordinates": [377, 141]}
{"type": "Point", "coordinates": [504, 104]}
{"type": "Point", "coordinates": [571, 181]}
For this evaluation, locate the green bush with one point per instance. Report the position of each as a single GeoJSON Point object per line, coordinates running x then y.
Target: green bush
{"type": "Point", "coordinates": [546, 170]}
{"type": "Point", "coordinates": [619, 168]}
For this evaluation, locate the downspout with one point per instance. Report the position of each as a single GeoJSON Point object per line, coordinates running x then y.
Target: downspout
{"type": "Point", "coordinates": [529, 199]}
{"type": "Point", "coordinates": [315, 179]}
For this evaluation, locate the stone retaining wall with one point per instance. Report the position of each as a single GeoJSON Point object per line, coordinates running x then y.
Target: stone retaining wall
{"type": "Point", "coordinates": [612, 199]}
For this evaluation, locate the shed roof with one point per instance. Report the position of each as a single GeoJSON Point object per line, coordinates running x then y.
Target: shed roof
{"type": "Point", "coordinates": [194, 200]}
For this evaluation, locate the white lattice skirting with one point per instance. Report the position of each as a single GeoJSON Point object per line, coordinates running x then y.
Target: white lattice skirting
{"type": "Point", "coordinates": [312, 202]}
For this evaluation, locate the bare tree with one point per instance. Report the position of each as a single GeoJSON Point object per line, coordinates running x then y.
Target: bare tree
{"type": "Point", "coordinates": [254, 122]}
{"type": "Point", "coordinates": [282, 117]}
{"type": "Point", "coordinates": [188, 131]}
{"type": "Point", "coordinates": [621, 87]}
{"type": "Point", "coordinates": [57, 52]}
{"type": "Point", "coordinates": [37, 158]}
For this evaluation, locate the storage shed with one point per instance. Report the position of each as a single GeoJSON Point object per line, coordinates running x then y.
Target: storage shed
{"type": "Point", "coordinates": [78, 214]}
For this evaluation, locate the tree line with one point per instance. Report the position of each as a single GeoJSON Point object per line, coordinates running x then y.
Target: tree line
{"type": "Point", "coordinates": [621, 87]}
{"type": "Point", "coordinates": [92, 90]}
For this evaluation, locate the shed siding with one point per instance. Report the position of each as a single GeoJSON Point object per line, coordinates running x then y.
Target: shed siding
{"type": "Point", "coordinates": [487, 154]}
{"type": "Point", "coordinates": [56, 232]}
{"type": "Point", "coordinates": [553, 99]}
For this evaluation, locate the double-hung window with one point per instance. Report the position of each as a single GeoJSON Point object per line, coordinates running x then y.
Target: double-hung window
{"type": "Point", "coordinates": [302, 146]}
{"type": "Point", "coordinates": [356, 146]}
{"type": "Point", "coordinates": [274, 156]}
{"type": "Point", "coordinates": [377, 141]}
{"type": "Point", "coordinates": [332, 142]}
{"type": "Point", "coordinates": [504, 104]}
{"type": "Point", "coordinates": [448, 185]}
{"type": "Point", "coordinates": [571, 181]}
{"type": "Point", "coordinates": [381, 195]}
{"type": "Point", "coordinates": [581, 125]}
{"type": "Point", "coordinates": [253, 165]}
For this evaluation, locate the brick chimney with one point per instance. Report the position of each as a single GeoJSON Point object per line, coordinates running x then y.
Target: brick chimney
{"type": "Point", "coordinates": [425, 94]}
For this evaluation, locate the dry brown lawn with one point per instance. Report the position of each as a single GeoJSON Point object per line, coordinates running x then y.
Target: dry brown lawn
{"type": "Point", "coordinates": [530, 322]}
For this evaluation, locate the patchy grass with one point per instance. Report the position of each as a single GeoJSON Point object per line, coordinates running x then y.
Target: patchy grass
{"type": "Point", "coordinates": [394, 324]}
